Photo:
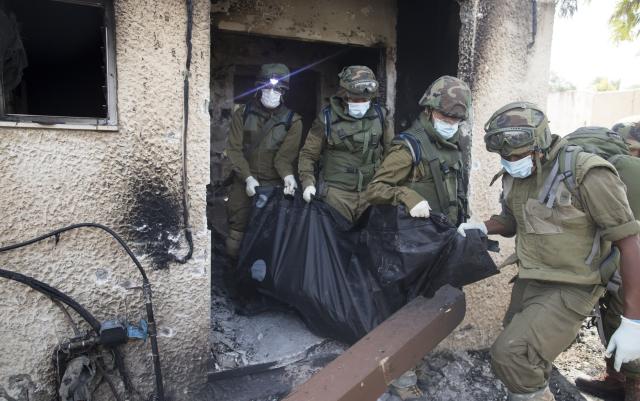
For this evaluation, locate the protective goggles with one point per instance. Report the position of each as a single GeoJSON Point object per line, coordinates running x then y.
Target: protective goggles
{"type": "Point", "coordinates": [514, 137]}
{"type": "Point", "coordinates": [365, 85]}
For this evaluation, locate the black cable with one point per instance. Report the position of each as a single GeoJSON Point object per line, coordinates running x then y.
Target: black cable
{"type": "Point", "coordinates": [185, 127]}
{"type": "Point", "coordinates": [73, 227]}
{"type": "Point", "coordinates": [146, 286]}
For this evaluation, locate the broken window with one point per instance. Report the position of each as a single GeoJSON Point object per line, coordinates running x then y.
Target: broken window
{"type": "Point", "coordinates": [57, 62]}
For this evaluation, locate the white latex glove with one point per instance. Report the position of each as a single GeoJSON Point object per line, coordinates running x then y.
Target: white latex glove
{"type": "Point", "coordinates": [290, 185]}
{"type": "Point", "coordinates": [421, 209]}
{"type": "Point", "coordinates": [625, 342]}
{"type": "Point", "coordinates": [471, 226]}
{"type": "Point", "coordinates": [308, 193]}
{"type": "Point", "coordinates": [252, 183]}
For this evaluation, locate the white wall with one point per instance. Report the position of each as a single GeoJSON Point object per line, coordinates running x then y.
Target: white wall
{"type": "Point", "coordinates": [572, 109]}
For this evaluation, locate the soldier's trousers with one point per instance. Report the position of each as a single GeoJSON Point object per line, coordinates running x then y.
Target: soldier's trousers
{"type": "Point", "coordinates": [350, 204]}
{"type": "Point", "coordinates": [613, 302]}
{"type": "Point", "coordinates": [542, 321]}
{"type": "Point", "coordinates": [238, 211]}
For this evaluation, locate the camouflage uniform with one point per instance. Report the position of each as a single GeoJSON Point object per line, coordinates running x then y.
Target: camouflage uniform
{"type": "Point", "coordinates": [263, 143]}
{"type": "Point", "coordinates": [437, 177]}
{"type": "Point", "coordinates": [349, 149]}
{"type": "Point", "coordinates": [560, 256]}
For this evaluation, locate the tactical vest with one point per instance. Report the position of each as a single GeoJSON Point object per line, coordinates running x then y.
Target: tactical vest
{"type": "Point", "coordinates": [354, 148]}
{"type": "Point", "coordinates": [556, 240]}
{"type": "Point", "coordinates": [263, 134]}
{"type": "Point", "coordinates": [437, 173]}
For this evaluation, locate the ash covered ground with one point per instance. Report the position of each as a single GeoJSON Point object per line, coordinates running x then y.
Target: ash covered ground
{"type": "Point", "coordinates": [264, 356]}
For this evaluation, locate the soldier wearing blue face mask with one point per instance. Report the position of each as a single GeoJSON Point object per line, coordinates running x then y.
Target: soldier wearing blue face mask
{"type": "Point", "coordinates": [348, 140]}
{"type": "Point", "coordinates": [423, 170]}
{"type": "Point", "coordinates": [574, 228]}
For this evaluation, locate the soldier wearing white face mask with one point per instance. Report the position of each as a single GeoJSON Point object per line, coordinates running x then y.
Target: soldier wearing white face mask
{"type": "Point", "coordinates": [262, 147]}
{"type": "Point", "coordinates": [348, 139]}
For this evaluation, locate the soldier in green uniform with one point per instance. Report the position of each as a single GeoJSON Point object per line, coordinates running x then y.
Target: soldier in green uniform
{"type": "Point", "coordinates": [567, 211]}
{"type": "Point", "coordinates": [613, 383]}
{"type": "Point", "coordinates": [348, 139]}
{"type": "Point", "coordinates": [630, 132]}
{"type": "Point", "coordinates": [262, 147]}
{"type": "Point", "coordinates": [423, 170]}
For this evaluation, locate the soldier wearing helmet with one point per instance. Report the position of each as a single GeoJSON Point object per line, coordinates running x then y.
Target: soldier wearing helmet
{"type": "Point", "coordinates": [626, 383]}
{"type": "Point", "coordinates": [423, 170]}
{"type": "Point", "coordinates": [262, 147]}
{"type": "Point", "coordinates": [630, 132]}
{"type": "Point", "coordinates": [573, 225]}
{"type": "Point", "coordinates": [348, 139]}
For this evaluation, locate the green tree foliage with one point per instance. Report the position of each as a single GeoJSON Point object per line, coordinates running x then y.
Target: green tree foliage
{"type": "Point", "coordinates": [603, 84]}
{"type": "Point", "coordinates": [625, 21]}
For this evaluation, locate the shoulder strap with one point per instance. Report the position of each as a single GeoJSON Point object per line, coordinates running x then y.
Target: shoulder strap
{"type": "Point", "coordinates": [289, 119]}
{"type": "Point", "coordinates": [413, 144]}
{"type": "Point", "coordinates": [378, 109]}
{"type": "Point", "coordinates": [327, 121]}
{"type": "Point", "coordinates": [438, 179]}
{"type": "Point", "coordinates": [245, 112]}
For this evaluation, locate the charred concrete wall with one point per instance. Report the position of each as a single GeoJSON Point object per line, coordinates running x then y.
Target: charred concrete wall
{"type": "Point", "coordinates": [129, 180]}
{"type": "Point", "coordinates": [355, 22]}
{"type": "Point", "coordinates": [504, 55]}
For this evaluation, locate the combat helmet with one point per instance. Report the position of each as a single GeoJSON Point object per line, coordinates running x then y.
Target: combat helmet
{"type": "Point", "coordinates": [449, 95]}
{"type": "Point", "coordinates": [516, 128]}
{"type": "Point", "coordinates": [358, 81]}
{"type": "Point", "coordinates": [274, 76]}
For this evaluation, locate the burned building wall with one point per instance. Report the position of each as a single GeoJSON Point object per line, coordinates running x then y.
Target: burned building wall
{"type": "Point", "coordinates": [504, 55]}
{"type": "Point", "coordinates": [128, 179]}
{"type": "Point", "coordinates": [503, 52]}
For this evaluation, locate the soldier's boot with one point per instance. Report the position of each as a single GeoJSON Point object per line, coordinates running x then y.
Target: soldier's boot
{"type": "Point", "coordinates": [541, 395]}
{"type": "Point", "coordinates": [610, 385]}
{"type": "Point", "coordinates": [406, 386]}
{"type": "Point", "coordinates": [632, 389]}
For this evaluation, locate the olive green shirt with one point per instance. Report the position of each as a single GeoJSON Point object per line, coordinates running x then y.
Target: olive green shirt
{"type": "Point", "coordinates": [316, 141]}
{"type": "Point", "coordinates": [388, 185]}
{"type": "Point", "coordinates": [284, 158]}
{"type": "Point", "coordinates": [553, 244]}
{"type": "Point", "coordinates": [604, 199]}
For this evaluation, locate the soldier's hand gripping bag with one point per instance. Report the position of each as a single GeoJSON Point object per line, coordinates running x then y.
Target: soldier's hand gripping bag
{"type": "Point", "coordinates": [344, 280]}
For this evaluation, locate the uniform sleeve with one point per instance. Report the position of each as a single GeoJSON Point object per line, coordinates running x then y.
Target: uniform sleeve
{"type": "Point", "coordinates": [310, 153]}
{"type": "Point", "coordinates": [384, 188]}
{"type": "Point", "coordinates": [604, 197]}
{"type": "Point", "coordinates": [235, 145]}
{"type": "Point", "coordinates": [288, 151]}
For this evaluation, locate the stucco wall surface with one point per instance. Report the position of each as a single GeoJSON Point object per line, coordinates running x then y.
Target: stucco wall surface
{"type": "Point", "coordinates": [502, 66]}
{"type": "Point", "coordinates": [358, 22]}
{"type": "Point", "coordinates": [129, 180]}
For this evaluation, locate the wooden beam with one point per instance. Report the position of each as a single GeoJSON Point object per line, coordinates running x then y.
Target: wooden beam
{"type": "Point", "coordinates": [365, 370]}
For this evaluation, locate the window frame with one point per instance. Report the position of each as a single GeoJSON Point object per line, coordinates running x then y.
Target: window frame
{"type": "Point", "coordinates": [108, 123]}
